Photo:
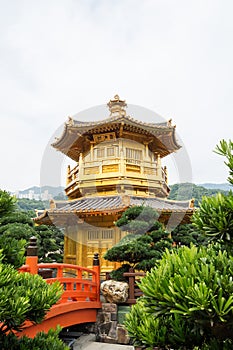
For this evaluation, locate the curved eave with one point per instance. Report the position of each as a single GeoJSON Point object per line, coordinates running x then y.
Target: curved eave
{"type": "Point", "coordinates": [80, 128]}
{"type": "Point", "coordinates": [168, 140]}
{"type": "Point", "coordinates": [43, 219]}
{"type": "Point", "coordinates": [53, 217]}
{"type": "Point", "coordinates": [76, 137]}
{"type": "Point", "coordinates": [175, 211]}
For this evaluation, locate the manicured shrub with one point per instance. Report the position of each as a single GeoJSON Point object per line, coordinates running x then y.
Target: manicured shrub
{"type": "Point", "coordinates": [140, 249]}
{"type": "Point", "coordinates": [190, 290]}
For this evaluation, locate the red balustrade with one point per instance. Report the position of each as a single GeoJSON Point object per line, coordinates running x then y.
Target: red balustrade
{"type": "Point", "coordinates": [81, 292]}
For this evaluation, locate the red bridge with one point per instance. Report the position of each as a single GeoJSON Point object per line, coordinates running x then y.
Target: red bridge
{"type": "Point", "coordinates": [81, 296]}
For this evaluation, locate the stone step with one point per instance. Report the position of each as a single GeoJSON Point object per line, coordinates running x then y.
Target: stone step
{"type": "Point", "coordinates": [87, 342]}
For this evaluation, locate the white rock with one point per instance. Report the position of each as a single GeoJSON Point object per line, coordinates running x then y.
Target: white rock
{"type": "Point", "coordinates": [114, 291]}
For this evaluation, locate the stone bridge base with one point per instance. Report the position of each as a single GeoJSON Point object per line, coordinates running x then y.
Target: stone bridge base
{"type": "Point", "coordinates": [109, 324]}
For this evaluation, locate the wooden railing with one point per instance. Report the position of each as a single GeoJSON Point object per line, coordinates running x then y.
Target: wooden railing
{"type": "Point", "coordinates": [134, 290]}
{"type": "Point", "coordinates": [80, 299]}
{"type": "Point", "coordinates": [79, 283]}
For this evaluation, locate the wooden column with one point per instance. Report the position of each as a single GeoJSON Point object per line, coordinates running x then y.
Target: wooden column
{"type": "Point", "coordinates": [122, 158]}
{"type": "Point", "coordinates": [32, 257]}
{"type": "Point", "coordinates": [96, 268]}
{"type": "Point", "coordinates": [68, 180]}
{"type": "Point", "coordinates": [80, 163]}
{"type": "Point", "coordinates": [158, 168]}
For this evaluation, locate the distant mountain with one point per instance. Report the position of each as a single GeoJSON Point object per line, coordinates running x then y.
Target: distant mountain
{"type": "Point", "coordinates": [54, 191]}
{"type": "Point", "coordinates": [185, 191]}
{"type": "Point", "coordinates": [222, 187]}
{"type": "Point", "coordinates": [182, 191]}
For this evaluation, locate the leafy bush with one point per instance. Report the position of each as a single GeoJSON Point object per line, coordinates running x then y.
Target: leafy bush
{"type": "Point", "coordinates": [214, 344]}
{"type": "Point", "coordinates": [143, 329]}
{"type": "Point", "coordinates": [215, 217]}
{"type": "Point", "coordinates": [13, 251]}
{"type": "Point", "coordinates": [190, 293]}
{"type": "Point", "coordinates": [42, 341]}
{"type": "Point", "coordinates": [165, 331]}
{"type": "Point", "coordinates": [190, 290]}
{"type": "Point", "coordinates": [226, 149]}
{"type": "Point", "coordinates": [24, 297]}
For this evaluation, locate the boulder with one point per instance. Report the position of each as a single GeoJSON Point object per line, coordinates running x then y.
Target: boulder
{"type": "Point", "coordinates": [115, 291]}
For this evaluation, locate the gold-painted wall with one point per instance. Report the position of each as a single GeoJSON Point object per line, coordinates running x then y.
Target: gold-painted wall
{"type": "Point", "coordinates": [95, 235]}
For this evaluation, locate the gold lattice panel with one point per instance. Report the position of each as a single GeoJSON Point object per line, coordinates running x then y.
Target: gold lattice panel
{"type": "Point", "coordinates": [91, 170]}
{"type": "Point", "coordinates": [110, 168]}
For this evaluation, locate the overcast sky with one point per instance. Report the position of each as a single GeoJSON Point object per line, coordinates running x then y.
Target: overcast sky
{"type": "Point", "coordinates": [61, 57]}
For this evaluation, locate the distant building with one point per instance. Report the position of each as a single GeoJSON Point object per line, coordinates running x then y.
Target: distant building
{"type": "Point", "coordinates": [44, 196]}
{"type": "Point", "coordinates": [118, 165]}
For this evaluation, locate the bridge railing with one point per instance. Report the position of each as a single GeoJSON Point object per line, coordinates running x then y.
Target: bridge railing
{"type": "Point", "coordinates": [79, 283]}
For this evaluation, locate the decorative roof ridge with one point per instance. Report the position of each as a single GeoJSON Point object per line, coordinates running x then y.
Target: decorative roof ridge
{"type": "Point", "coordinates": [87, 197]}
{"type": "Point", "coordinates": [187, 204]}
{"type": "Point", "coordinates": [78, 123]}
{"type": "Point", "coordinates": [164, 199]}
{"type": "Point", "coordinates": [71, 201]}
{"type": "Point", "coordinates": [117, 115]}
{"type": "Point", "coordinates": [123, 196]}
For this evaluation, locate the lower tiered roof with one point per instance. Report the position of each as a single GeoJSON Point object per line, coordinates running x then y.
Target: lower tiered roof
{"type": "Point", "coordinates": [116, 204]}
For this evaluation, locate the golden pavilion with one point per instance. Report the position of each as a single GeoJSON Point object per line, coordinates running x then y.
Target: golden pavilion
{"type": "Point", "coordinates": [117, 165]}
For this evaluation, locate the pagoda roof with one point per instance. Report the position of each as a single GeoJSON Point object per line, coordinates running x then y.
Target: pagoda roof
{"type": "Point", "coordinates": [106, 205]}
{"type": "Point", "coordinates": [77, 135]}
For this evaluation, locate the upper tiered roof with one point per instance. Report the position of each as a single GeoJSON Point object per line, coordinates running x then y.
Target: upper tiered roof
{"type": "Point", "coordinates": [77, 136]}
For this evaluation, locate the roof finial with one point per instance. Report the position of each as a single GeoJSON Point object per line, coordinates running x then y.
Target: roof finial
{"type": "Point", "coordinates": [117, 106]}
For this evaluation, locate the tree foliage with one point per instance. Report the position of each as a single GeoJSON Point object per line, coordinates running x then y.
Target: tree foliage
{"type": "Point", "coordinates": [16, 227]}
{"type": "Point", "coordinates": [7, 203]}
{"type": "Point", "coordinates": [50, 243]}
{"type": "Point", "coordinates": [15, 230]}
{"type": "Point", "coordinates": [137, 219]}
{"type": "Point", "coordinates": [26, 204]}
{"type": "Point", "coordinates": [139, 249]}
{"type": "Point", "coordinates": [187, 234]}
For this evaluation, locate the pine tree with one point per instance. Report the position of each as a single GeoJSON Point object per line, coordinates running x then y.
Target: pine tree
{"type": "Point", "coordinates": [145, 242]}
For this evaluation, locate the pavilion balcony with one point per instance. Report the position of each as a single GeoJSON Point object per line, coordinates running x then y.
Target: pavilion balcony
{"type": "Point", "coordinates": [105, 174]}
{"type": "Point", "coordinates": [121, 166]}
{"type": "Point", "coordinates": [72, 181]}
